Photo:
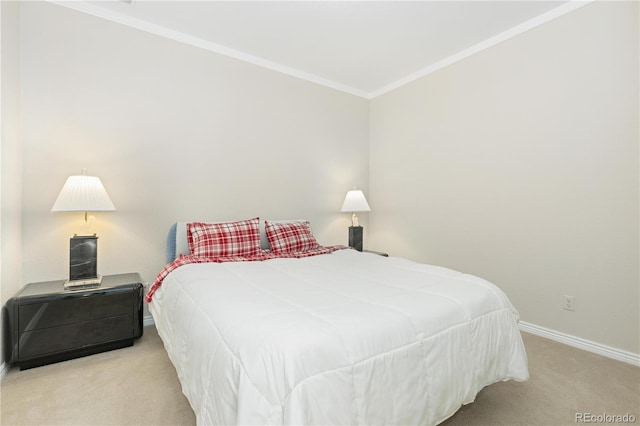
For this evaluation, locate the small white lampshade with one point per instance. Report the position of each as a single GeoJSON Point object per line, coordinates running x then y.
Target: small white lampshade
{"type": "Point", "coordinates": [83, 194]}
{"type": "Point", "coordinates": [355, 202]}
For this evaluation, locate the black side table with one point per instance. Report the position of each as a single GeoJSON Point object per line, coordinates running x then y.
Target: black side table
{"type": "Point", "coordinates": [379, 253]}
{"type": "Point", "coordinates": [44, 323]}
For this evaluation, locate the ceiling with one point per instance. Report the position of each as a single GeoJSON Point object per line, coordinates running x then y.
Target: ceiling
{"type": "Point", "coordinates": [361, 47]}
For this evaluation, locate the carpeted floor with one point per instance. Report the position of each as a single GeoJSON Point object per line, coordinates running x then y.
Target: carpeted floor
{"type": "Point", "coordinates": [132, 386]}
{"type": "Point", "coordinates": [565, 383]}
{"type": "Point", "coordinates": [139, 386]}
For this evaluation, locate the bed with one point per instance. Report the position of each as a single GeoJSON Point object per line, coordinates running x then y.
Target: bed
{"type": "Point", "coordinates": [338, 337]}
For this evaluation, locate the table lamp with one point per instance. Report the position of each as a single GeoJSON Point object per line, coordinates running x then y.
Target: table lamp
{"type": "Point", "coordinates": [83, 194]}
{"type": "Point", "coordinates": [355, 202]}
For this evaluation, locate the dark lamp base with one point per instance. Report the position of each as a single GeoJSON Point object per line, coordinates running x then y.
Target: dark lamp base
{"type": "Point", "coordinates": [355, 237]}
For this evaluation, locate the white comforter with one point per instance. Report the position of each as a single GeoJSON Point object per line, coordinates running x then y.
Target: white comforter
{"type": "Point", "coordinates": [341, 338]}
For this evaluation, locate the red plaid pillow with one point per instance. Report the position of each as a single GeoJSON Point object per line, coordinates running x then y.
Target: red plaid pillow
{"type": "Point", "coordinates": [225, 239]}
{"type": "Point", "coordinates": [290, 237]}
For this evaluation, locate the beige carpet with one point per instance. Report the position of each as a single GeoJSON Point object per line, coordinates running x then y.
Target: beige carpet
{"type": "Point", "coordinates": [565, 382]}
{"type": "Point", "coordinates": [131, 386]}
{"type": "Point", "coordinates": [138, 386]}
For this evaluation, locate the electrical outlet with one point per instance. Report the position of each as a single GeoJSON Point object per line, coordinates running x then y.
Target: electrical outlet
{"type": "Point", "coordinates": [569, 303]}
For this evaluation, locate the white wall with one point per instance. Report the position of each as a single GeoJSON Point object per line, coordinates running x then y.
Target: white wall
{"type": "Point", "coordinates": [176, 133]}
{"type": "Point", "coordinates": [520, 164]}
{"type": "Point", "coordinates": [10, 154]}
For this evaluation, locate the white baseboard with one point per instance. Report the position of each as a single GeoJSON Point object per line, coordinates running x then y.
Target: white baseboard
{"type": "Point", "coordinates": [148, 320]}
{"type": "Point", "coordinates": [577, 342]}
{"type": "Point", "coordinates": [567, 339]}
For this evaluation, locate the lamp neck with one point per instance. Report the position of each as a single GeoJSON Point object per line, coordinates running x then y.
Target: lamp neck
{"type": "Point", "coordinates": [354, 219]}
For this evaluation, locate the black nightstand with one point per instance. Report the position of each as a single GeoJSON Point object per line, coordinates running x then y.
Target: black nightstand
{"type": "Point", "coordinates": [379, 253]}
{"type": "Point", "coordinates": [46, 323]}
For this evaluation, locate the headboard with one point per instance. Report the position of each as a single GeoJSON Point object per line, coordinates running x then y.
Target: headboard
{"type": "Point", "coordinates": [177, 241]}
{"type": "Point", "coordinates": [170, 250]}
{"type": "Point", "coordinates": [177, 238]}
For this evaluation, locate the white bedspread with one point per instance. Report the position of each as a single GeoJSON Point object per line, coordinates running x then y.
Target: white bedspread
{"type": "Point", "coordinates": [341, 338]}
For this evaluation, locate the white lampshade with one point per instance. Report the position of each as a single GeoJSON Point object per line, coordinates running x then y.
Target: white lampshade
{"type": "Point", "coordinates": [355, 202]}
{"type": "Point", "coordinates": [83, 194]}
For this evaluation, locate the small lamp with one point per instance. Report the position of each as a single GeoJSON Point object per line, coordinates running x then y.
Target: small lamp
{"type": "Point", "coordinates": [355, 202]}
{"type": "Point", "coordinates": [83, 194]}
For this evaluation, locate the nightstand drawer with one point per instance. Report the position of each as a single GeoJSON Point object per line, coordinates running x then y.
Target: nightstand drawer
{"type": "Point", "coordinates": [40, 315]}
{"type": "Point", "coordinates": [47, 323]}
{"type": "Point", "coordinates": [49, 341]}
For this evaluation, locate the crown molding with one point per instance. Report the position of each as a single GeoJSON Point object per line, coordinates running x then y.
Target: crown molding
{"type": "Point", "coordinates": [119, 18]}
{"type": "Point", "coordinates": [92, 9]}
{"type": "Point", "coordinates": [490, 42]}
